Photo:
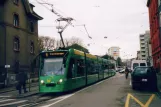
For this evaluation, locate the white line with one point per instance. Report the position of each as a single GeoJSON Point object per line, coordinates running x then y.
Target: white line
{"type": "Point", "coordinates": [56, 98]}
{"type": "Point", "coordinates": [23, 105]}
{"type": "Point", "coordinates": [5, 96]}
{"type": "Point", "coordinates": [6, 100]}
{"type": "Point", "coordinates": [13, 103]}
{"type": "Point", "coordinates": [58, 101]}
{"type": "Point", "coordinates": [130, 83]}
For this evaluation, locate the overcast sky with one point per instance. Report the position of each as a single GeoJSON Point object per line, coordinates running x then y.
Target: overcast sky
{"type": "Point", "coordinates": [120, 20]}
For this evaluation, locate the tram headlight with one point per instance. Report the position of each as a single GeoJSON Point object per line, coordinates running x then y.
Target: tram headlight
{"type": "Point", "coordinates": [61, 80]}
{"type": "Point", "coordinates": [42, 81]}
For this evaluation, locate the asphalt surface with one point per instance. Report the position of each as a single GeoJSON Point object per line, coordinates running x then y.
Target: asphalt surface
{"type": "Point", "coordinates": [111, 92]}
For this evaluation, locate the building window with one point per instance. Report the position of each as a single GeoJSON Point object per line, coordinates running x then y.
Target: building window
{"type": "Point", "coordinates": [16, 20]}
{"type": "Point", "coordinates": [142, 39]}
{"type": "Point", "coordinates": [31, 26]}
{"type": "Point", "coordinates": [142, 43]}
{"type": "Point", "coordinates": [16, 44]}
{"type": "Point", "coordinates": [31, 47]}
{"type": "Point", "coordinates": [143, 55]}
{"type": "Point", "coordinates": [141, 35]}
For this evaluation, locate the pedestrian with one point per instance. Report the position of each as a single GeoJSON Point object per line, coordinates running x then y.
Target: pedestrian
{"type": "Point", "coordinates": [21, 78]}
{"type": "Point", "coordinates": [126, 72]}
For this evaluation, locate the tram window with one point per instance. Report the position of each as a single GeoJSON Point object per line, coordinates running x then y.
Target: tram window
{"type": "Point", "coordinates": [91, 69]}
{"type": "Point", "coordinates": [71, 70]}
{"type": "Point", "coordinates": [80, 68]}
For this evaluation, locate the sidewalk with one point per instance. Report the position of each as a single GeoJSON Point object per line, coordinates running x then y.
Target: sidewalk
{"type": "Point", "coordinates": [13, 93]}
{"type": "Point", "coordinates": [13, 88]}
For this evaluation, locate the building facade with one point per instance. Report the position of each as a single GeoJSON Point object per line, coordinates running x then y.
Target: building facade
{"type": "Point", "coordinates": [149, 58]}
{"type": "Point", "coordinates": [18, 37]}
{"type": "Point", "coordinates": [144, 45]}
{"type": "Point", "coordinates": [138, 55]}
{"type": "Point", "coordinates": [114, 52]}
{"type": "Point", "coordinates": [155, 32]}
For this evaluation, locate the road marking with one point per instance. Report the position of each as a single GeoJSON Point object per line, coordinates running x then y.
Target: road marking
{"type": "Point", "coordinates": [65, 97]}
{"type": "Point", "coordinates": [17, 102]}
{"type": "Point", "coordinates": [6, 100]}
{"type": "Point", "coordinates": [5, 96]}
{"type": "Point", "coordinates": [139, 102]}
{"type": "Point", "coordinates": [130, 83]}
{"type": "Point", "coordinates": [150, 100]}
{"type": "Point", "coordinates": [127, 100]}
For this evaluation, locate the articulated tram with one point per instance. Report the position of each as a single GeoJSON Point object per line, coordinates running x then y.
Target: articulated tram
{"type": "Point", "coordinates": [65, 70]}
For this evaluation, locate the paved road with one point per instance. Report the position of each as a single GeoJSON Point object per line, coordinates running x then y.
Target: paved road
{"type": "Point", "coordinates": [111, 92]}
{"type": "Point", "coordinates": [107, 93]}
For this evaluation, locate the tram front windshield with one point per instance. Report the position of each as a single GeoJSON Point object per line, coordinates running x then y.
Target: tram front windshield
{"type": "Point", "coordinates": [52, 66]}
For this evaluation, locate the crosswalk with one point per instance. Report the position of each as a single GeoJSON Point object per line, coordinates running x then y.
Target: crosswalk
{"type": "Point", "coordinates": [8, 101]}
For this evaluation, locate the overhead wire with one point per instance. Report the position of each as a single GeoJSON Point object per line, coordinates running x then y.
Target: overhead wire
{"type": "Point", "coordinates": [52, 10]}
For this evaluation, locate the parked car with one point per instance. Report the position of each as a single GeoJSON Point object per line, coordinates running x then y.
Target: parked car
{"type": "Point", "coordinates": [122, 71]}
{"type": "Point", "coordinates": [144, 77]}
{"type": "Point", "coordinates": [118, 69]}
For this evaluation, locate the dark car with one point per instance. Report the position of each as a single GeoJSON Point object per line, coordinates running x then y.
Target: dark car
{"type": "Point", "coordinates": [144, 77]}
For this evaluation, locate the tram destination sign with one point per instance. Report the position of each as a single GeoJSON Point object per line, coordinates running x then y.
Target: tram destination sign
{"type": "Point", "coordinates": [53, 54]}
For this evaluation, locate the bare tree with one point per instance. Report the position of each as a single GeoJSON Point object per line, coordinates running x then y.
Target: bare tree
{"type": "Point", "coordinates": [67, 42]}
{"type": "Point", "coordinates": [46, 43]}
{"type": "Point", "coordinates": [40, 43]}
{"type": "Point", "coordinates": [75, 40]}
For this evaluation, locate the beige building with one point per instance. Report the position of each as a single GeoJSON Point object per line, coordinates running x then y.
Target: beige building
{"type": "Point", "coordinates": [138, 55]}
{"type": "Point", "coordinates": [144, 38]}
{"type": "Point", "coordinates": [114, 52]}
{"type": "Point", "coordinates": [145, 47]}
{"type": "Point", "coordinates": [18, 39]}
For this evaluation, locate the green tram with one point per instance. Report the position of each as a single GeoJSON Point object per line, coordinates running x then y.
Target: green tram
{"type": "Point", "coordinates": [65, 70]}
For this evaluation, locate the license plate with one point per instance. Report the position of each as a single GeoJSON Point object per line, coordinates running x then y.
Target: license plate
{"type": "Point", "coordinates": [145, 80]}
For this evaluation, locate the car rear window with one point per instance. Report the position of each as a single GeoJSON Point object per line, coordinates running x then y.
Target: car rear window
{"type": "Point", "coordinates": [141, 70]}
{"type": "Point", "coordinates": [135, 65]}
{"type": "Point", "coordinates": [142, 64]}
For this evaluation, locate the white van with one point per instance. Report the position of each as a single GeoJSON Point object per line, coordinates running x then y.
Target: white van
{"type": "Point", "coordinates": [138, 63]}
